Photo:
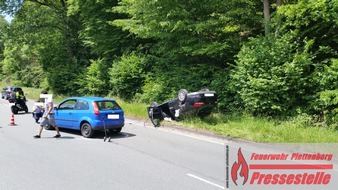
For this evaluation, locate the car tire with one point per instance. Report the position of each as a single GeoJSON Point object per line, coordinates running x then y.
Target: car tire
{"type": "Point", "coordinates": [115, 131]}
{"type": "Point", "coordinates": [155, 122]}
{"type": "Point", "coordinates": [48, 127]}
{"type": "Point", "coordinates": [182, 96]}
{"type": "Point", "coordinates": [87, 130]}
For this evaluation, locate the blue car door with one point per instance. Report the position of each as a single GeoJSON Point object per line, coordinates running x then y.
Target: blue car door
{"type": "Point", "coordinates": [80, 111]}
{"type": "Point", "coordinates": [64, 114]}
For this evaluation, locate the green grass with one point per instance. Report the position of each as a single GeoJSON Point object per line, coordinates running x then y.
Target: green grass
{"type": "Point", "coordinates": [246, 127]}
{"type": "Point", "coordinates": [133, 109]}
{"type": "Point", "coordinates": [268, 131]}
{"type": "Point", "coordinates": [34, 94]}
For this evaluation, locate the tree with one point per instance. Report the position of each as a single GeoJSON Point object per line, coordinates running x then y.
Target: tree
{"type": "Point", "coordinates": [53, 36]}
{"type": "Point", "coordinates": [192, 28]}
{"type": "Point", "coordinates": [104, 40]}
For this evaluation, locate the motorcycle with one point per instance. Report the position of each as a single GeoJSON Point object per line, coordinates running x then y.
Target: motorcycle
{"type": "Point", "coordinates": [18, 105]}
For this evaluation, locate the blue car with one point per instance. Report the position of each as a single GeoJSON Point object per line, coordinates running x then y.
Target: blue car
{"type": "Point", "coordinates": [89, 114]}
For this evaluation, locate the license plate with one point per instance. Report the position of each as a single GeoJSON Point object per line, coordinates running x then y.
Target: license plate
{"type": "Point", "coordinates": [113, 116]}
{"type": "Point", "coordinates": [208, 95]}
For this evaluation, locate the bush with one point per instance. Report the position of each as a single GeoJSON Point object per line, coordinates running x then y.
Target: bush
{"type": "Point", "coordinates": [127, 75]}
{"type": "Point", "coordinates": [95, 81]}
{"type": "Point", "coordinates": [275, 76]}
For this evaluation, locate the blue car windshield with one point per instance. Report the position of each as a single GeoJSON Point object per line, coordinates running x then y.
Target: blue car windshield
{"type": "Point", "coordinates": [108, 105]}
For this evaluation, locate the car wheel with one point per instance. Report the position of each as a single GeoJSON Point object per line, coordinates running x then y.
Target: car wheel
{"type": "Point", "coordinates": [115, 131]}
{"type": "Point", "coordinates": [48, 127]}
{"type": "Point", "coordinates": [182, 96]}
{"type": "Point", "coordinates": [154, 110]}
{"type": "Point", "coordinates": [86, 130]}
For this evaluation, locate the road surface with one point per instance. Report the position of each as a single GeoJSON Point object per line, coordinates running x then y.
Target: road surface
{"type": "Point", "coordinates": [140, 157]}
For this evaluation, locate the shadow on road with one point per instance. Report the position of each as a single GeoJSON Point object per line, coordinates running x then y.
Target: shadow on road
{"type": "Point", "coordinates": [97, 134]}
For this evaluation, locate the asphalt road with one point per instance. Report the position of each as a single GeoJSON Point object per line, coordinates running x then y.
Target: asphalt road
{"type": "Point", "coordinates": [140, 157]}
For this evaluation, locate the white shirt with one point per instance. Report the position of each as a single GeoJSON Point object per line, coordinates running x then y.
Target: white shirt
{"type": "Point", "coordinates": [47, 101]}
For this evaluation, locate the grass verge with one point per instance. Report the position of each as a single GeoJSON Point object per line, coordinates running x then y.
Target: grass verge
{"type": "Point", "coordinates": [246, 127]}
{"type": "Point", "coordinates": [295, 130]}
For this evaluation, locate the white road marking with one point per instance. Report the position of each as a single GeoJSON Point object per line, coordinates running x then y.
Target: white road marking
{"type": "Point", "coordinates": [206, 181]}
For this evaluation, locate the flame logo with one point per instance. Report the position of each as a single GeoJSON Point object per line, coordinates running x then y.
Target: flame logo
{"type": "Point", "coordinates": [244, 168]}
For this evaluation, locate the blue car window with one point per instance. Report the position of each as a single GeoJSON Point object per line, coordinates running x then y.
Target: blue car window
{"type": "Point", "coordinates": [81, 105]}
{"type": "Point", "coordinates": [67, 105]}
{"type": "Point", "coordinates": [108, 105]}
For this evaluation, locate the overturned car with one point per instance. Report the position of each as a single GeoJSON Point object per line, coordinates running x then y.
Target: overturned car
{"type": "Point", "coordinates": [199, 104]}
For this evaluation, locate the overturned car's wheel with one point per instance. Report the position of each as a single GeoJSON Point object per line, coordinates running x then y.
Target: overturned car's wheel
{"type": "Point", "coordinates": [155, 114]}
{"type": "Point", "coordinates": [182, 96]}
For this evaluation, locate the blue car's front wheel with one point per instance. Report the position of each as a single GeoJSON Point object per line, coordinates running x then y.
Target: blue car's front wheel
{"type": "Point", "coordinates": [87, 130]}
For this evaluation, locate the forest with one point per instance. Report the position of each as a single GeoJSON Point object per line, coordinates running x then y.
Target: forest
{"type": "Point", "coordinates": [273, 58]}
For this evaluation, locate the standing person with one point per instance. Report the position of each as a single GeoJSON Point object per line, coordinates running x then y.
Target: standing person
{"type": "Point", "coordinates": [48, 118]}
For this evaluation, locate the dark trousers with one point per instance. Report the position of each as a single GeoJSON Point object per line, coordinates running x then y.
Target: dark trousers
{"type": "Point", "coordinates": [37, 116]}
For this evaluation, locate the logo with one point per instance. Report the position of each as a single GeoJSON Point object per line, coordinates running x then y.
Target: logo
{"type": "Point", "coordinates": [280, 167]}
{"type": "Point", "coordinates": [241, 163]}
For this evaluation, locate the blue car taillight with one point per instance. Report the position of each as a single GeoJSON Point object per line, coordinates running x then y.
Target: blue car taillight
{"type": "Point", "coordinates": [96, 109]}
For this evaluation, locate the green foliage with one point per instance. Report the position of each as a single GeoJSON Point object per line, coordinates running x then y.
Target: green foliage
{"type": "Point", "coordinates": [95, 80]}
{"type": "Point", "coordinates": [313, 19]}
{"type": "Point", "coordinates": [105, 40]}
{"type": "Point", "coordinates": [227, 96]}
{"type": "Point", "coordinates": [43, 46]}
{"type": "Point", "coordinates": [274, 77]}
{"type": "Point", "coordinates": [152, 90]}
{"type": "Point", "coordinates": [83, 47]}
{"type": "Point", "coordinates": [166, 80]}
{"type": "Point", "coordinates": [58, 79]}
{"type": "Point", "coordinates": [193, 28]}
{"type": "Point", "coordinates": [127, 75]}
{"type": "Point", "coordinates": [21, 66]}
{"type": "Point", "coordinates": [328, 103]}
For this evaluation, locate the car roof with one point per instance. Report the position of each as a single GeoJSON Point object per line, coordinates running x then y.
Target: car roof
{"type": "Point", "coordinates": [90, 98]}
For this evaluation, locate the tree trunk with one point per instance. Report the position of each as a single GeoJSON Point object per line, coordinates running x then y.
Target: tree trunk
{"type": "Point", "coordinates": [278, 4]}
{"type": "Point", "coordinates": [266, 12]}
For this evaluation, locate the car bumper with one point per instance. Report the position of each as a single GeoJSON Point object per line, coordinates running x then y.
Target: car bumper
{"type": "Point", "coordinates": [101, 125]}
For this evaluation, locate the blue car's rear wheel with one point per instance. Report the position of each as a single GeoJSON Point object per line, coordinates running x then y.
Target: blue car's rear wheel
{"type": "Point", "coordinates": [86, 130]}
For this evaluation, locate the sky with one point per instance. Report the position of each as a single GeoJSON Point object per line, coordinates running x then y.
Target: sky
{"type": "Point", "coordinates": [8, 18]}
